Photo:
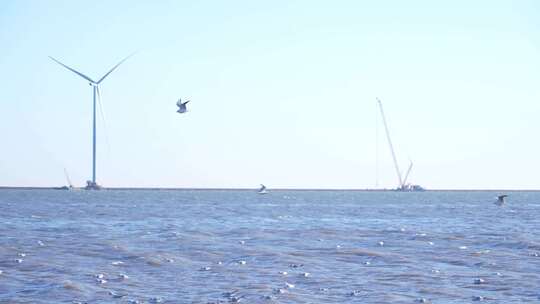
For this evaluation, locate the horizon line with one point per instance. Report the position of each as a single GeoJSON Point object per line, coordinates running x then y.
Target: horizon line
{"type": "Point", "coordinates": [254, 189]}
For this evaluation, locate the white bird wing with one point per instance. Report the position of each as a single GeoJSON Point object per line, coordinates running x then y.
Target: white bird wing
{"type": "Point", "coordinates": [179, 102]}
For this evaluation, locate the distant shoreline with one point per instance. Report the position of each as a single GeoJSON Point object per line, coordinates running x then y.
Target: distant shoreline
{"type": "Point", "coordinates": [273, 189]}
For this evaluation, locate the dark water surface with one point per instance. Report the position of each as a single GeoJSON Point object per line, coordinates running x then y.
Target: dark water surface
{"type": "Point", "coordinates": [235, 246]}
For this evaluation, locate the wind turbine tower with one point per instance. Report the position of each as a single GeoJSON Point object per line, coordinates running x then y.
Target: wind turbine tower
{"type": "Point", "coordinates": [92, 184]}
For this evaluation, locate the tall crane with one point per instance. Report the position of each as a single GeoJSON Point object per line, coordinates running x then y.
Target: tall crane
{"type": "Point", "coordinates": [67, 178]}
{"type": "Point", "coordinates": [391, 146]}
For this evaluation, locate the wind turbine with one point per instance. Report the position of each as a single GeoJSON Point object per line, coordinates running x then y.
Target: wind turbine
{"type": "Point", "coordinates": [92, 185]}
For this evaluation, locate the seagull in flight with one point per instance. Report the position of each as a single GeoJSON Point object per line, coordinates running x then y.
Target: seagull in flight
{"type": "Point", "coordinates": [181, 106]}
{"type": "Point", "coordinates": [500, 200]}
{"type": "Point", "coordinates": [262, 190]}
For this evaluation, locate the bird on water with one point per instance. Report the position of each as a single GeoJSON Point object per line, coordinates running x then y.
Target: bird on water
{"type": "Point", "coordinates": [500, 200]}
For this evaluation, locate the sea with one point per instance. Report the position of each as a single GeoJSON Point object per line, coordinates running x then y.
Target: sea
{"type": "Point", "coordinates": [237, 246]}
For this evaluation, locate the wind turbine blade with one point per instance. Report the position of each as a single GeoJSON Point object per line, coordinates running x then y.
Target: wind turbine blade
{"type": "Point", "coordinates": [114, 68]}
{"type": "Point", "coordinates": [103, 119]}
{"type": "Point", "coordinates": [74, 71]}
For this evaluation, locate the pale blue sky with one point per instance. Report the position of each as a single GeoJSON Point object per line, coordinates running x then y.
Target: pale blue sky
{"type": "Point", "coordinates": [283, 92]}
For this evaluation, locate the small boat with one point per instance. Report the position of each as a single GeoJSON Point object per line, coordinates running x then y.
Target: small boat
{"type": "Point", "coordinates": [262, 190]}
{"type": "Point", "coordinates": [62, 188]}
{"type": "Point", "coordinates": [410, 188]}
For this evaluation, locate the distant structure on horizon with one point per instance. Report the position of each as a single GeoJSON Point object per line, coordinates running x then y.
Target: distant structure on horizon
{"type": "Point", "coordinates": [402, 181]}
{"type": "Point", "coordinates": [92, 184]}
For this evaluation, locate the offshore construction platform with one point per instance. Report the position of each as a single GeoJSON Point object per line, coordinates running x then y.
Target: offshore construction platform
{"type": "Point", "coordinates": [403, 185]}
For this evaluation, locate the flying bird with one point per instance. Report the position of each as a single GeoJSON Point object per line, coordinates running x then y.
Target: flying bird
{"type": "Point", "coordinates": [262, 190]}
{"type": "Point", "coordinates": [500, 200]}
{"type": "Point", "coordinates": [182, 108]}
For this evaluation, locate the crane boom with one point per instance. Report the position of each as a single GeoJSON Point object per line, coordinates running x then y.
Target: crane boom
{"type": "Point", "coordinates": [67, 178]}
{"type": "Point", "coordinates": [390, 144]}
{"type": "Point", "coordinates": [407, 174]}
